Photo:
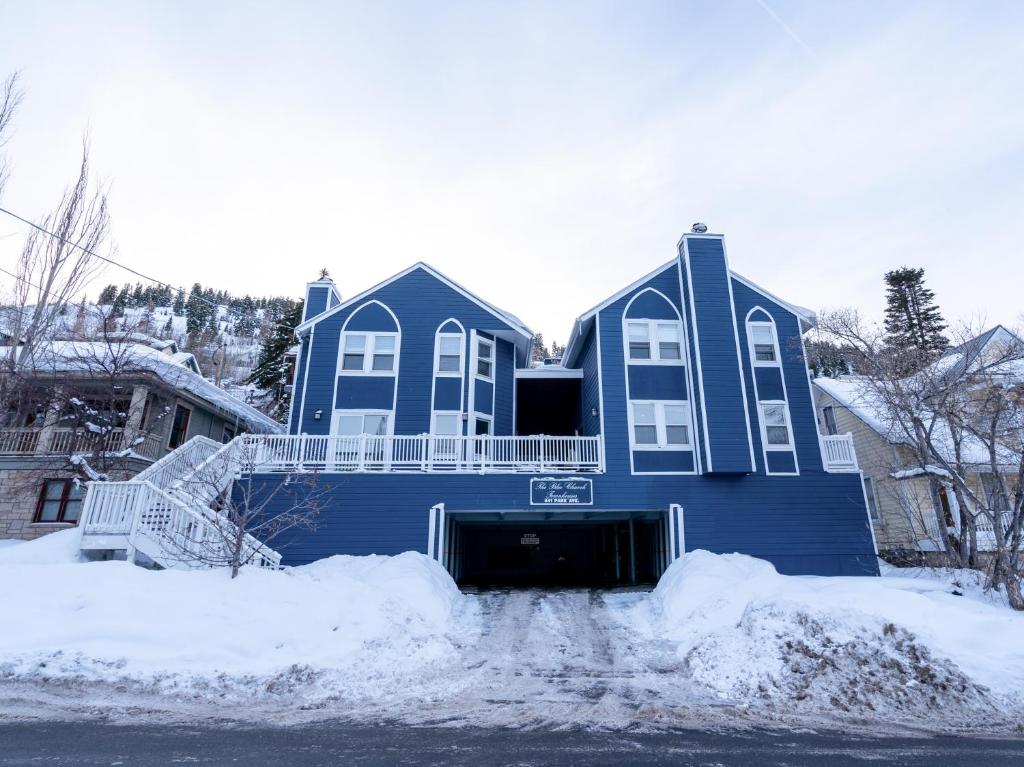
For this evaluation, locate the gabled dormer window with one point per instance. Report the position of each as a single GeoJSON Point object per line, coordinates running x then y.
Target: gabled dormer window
{"type": "Point", "coordinates": [654, 341]}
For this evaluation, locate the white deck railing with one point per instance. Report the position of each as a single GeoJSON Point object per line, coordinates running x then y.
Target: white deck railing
{"type": "Point", "coordinates": [424, 453]}
{"type": "Point", "coordinates": [839, 453]}
{"type": "Point", "coordinates": [65, 441]}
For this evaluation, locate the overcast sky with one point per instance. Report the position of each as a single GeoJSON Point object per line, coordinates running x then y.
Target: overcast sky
{"type": "Point", "coordinates": [544, 155]}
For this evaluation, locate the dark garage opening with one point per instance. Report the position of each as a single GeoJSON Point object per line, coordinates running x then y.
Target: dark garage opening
{"type": "Point", "coordinates": [598, 553]}
{"type": "Point", "coordinates": [548, 406]}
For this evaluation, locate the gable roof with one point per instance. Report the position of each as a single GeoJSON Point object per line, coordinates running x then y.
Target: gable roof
{"type": "Point", "coordinates": [957, 359]}
{"type": "Point", "coordinates": [507, 317]}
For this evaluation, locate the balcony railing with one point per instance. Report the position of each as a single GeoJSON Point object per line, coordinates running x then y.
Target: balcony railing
{"type": "Point", "coordinates": [64, 441]}
{"type": "Point", "coordinates": [431, 453]}
{"type": "Point", "coordinates": [838, 453]}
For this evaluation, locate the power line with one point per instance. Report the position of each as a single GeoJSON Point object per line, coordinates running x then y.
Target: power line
{"type": "Point", "coordinates": [109, 260]}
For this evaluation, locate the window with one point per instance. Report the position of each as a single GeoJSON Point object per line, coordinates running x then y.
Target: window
{"type": "Point", "coordinates": [667, 346]}
{"type": "Point", "coordinates": [994, 495]}
{"type": "Point", "coordinates": [869, 493]}
{"type": "Point", "coordinates": [660, 425]}
{"type": "Point", "coordinates": [775, 418]}
{"type": "Point", "coordinates": [447, 424]}
{"type": "Point", "coordinates": [449, 353]}
{"type": "Point", "coordinates": [352, 424]}
{"type": "Point", "coordinates": [369, 352]}
{"type": "Point", "coordinates": [484, 358]}
{"type": "Point", "coordinates": [179, 426]}
{"type": "Point", "coordinates": [482, 427]}
{"type": "Point", "coordinates": [762, 337]}
{"type": "Point", "coordinates": [227, 435]}
{"type": "Point", "coordinates": [59, 501]}
{"type": "Point", "coordinates": [829, 414]}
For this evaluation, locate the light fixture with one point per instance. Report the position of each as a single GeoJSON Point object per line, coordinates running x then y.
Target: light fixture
{"type": "Point", "coordinates": [593, 412]}
{"type": "Point", "coordinates": [317, 414]}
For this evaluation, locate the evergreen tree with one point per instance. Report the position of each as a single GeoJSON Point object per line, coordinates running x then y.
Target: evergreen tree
{"type": "Point", "coordinates": [912, 319]}
{"type": "Point", "coordinates": [120, 302]}
{"type": "Point", "coordinates": [179, 304]}
{"type": "Point", "coordinates": [540, 349]}
{"type": "Point", "coordinates": [168, 330]}
{"type": "Point", "coordinates": [197, 311]}
{"type": "Point", "coordinates": [827, 360]}
{"type": "Point", "coordinates": [107, 295]}
{"type": "Point", "coordinates": [271, 372]}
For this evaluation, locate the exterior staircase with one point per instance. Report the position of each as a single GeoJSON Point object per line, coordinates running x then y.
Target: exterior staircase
{"type": "Point", "coordinates": [164, 516]}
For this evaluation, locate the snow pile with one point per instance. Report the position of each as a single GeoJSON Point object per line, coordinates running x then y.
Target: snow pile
{"type": "Point", "coordinates": [345, 626]}
{"type": "Point", "coordinates": [905, 646]}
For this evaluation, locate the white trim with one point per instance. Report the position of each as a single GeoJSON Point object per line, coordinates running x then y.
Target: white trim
{"type": "Point", "coordinates": [802, 314]}
{"type": "Point", "coordinates": [369, 351]}
{"type": "Point", "coordinates": [305, 382]}
{"type": "Point", "coordinates": [339, 412]}
{"type": "Point", "coordinates": [493, 358]}
{"type": "Point", "coordinates": [689, 371]}
{"type": "Point", "coordinates": [871, 522]}
{"type": "Point", "coordinates": [470, 377]}
{"type": "Point", "coordinates": [461, 334]}
{"type": "Point", "coordinates": [505, 317]}
{"type": "Point", "coordinates": [548, 371]}
{"type": "Point", "coordinates": [778, 365]}
{"type": "Point", "coordinates": [696, 347]}
{"type": "Point", "coordinates": [624, 292]}
{"type": "Point", "coordinates": [600, 396]}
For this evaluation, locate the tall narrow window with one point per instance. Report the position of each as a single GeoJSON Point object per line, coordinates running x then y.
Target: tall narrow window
{"type": "Point", "coordinates": [383, 353]}
{"type": "Point", "coordinates": [484, 358]}
{"type": "Point", "coordinates": [677, 425]}
{"type": "Point", "coordinates": [669, 347]}
{"type": "Point", "coordinates": [763, 338]}
{"type": "Point", "coordinates": [776, 425]}
{"type": "Point", "coordinates": [829, 414]}
{"type": "Point", "coordinates": [179, 426]}
{"type": "Point", "coordinates": [645, 424]}
{"type": "Point", "coordinates": [449, 353]}
{"type": "Point", "coordinates": [869, 493]}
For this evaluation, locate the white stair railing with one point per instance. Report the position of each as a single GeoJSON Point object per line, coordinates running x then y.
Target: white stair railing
{"type": "Point", "coordinates": [179, 463]}
{"type": "Point", "coordinates": [839, 453]}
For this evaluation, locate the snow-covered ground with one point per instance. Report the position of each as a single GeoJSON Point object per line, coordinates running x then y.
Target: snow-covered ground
{"type": "Point", "coordinates": [722, 641]}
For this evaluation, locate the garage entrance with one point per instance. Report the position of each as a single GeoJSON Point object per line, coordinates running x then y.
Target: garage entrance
{"type": "Point", "coordinates": [600, 549]}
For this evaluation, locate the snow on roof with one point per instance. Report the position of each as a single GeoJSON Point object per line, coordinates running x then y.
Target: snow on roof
{"type": "Point", "coordinates": [857, 396]}
{"type": "Point", "coordinates": [82, 356]}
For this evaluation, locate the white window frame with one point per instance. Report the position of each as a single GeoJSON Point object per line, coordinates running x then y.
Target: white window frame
{"type": "Point", "coordinates": [790, 445]}
{"type": "Point", "coordinates": [871, 498]}
{"type": "Point", "coordinates": [660, 424]}
{"type": "Point", "coordinates": [437, 355]}
{"type": "Point", "coordinates": [368, 352]}
{"type": "Point", "coordinates": [652, 336]}
{"type": "Point", "coordinates": [340, 413]}
{"type": "Point", "coordinates": [777, 362]}
{"type": "Point", "coordinates": [829, 412]}
{"type": "Point", "coordinates": [492, 358]}
{"type": "Point", "coordinates": [446, 413]}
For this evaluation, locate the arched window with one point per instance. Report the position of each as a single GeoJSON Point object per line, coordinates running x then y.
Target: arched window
{"type": "Point", "coordinates": [652, 330]}
{"type": "Point", "coordinates": [370, 341]}
{"type": "Point", "coordinates": [450, 349]}
{"type": "Point", "coordinates": [769, 385]}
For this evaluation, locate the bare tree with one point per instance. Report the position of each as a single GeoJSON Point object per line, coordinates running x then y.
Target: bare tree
{"type": "Point", "coordinates": [10, 98]}
{"type": "Point", "coordinates": [53, 269]}
{"type": "Point", "coordinates": [961, 419]}
{"type": "Point", "coordinates": [241, 519]}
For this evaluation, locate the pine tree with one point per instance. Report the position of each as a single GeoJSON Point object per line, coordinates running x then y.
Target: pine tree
{"type": "Point", "coordinates": [271, 372]}
{"type": "Point", "coordinates": [197, 311]}
{"type": "Point", "coordinates": [168, 330]}
{"type": "Point", "coordinates": [540, 349]}
{"type": "Point", "coordinates": [912, 319]}
{"type": "Point", "coordinates": [179, 304]}
{"type": "Point", "coordinates": [107, 295]}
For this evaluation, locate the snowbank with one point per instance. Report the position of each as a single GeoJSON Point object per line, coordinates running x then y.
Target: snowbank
{"type": "Point", "coordinates": [367, 622]}
{"type": "Point", "coordinates": [906, 645]}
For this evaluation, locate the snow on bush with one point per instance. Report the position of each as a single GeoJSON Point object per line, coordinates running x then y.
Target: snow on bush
{"type": "Point", "coordinates": [367, 622]}
{"type": "Point", "coordinates": [908, 646]}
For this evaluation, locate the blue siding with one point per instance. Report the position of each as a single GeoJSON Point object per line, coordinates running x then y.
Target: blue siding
{"type": "Point", "coordinates": [781, 461]}
{"type": "Point", "coordinates": [483, 396]}
{"type": "Point", "coordinates": [504, 382]}
{"type": "Point", "coordinates": [590, 396]}
{"type": "Point", "coordinates": [657, 382]}
{"type": "Point", "coordinates": [447, 393]}
{"type": "Point", "coordinates": [769, 384]}
{"type": "Point", "coordinates": [316, 302]}
{"type": "Point", "coordinates": [371, 317]}
{"type": "Point", "coordinates": [297, 391]}
{"type": "Point", "coordinates": [662, 460]}
{"type": "Point", "coordinates": [722, 378]}
{"type": "Point", "coordinates": [365, 392]}
{"type": "Point", "coordinates": [323, 367]}
{"type": "Point", "coordinates": [651, 306]}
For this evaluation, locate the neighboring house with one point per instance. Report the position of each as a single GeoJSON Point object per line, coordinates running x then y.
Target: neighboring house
{"type": "Point", "coordinates": [150, 398]}
{"type": "Point", "coordinates": [905, 505]}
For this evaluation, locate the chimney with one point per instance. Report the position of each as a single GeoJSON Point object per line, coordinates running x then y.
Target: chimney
{"type": "Point", "coordinates": [321, 295]}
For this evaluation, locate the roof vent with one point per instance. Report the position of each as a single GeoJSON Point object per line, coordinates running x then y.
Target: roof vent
{"type": "Point", "coordinates": [699, 228]}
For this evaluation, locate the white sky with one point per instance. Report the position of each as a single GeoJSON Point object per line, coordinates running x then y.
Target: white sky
{"type": "Point", "coordinates": [543, 155]}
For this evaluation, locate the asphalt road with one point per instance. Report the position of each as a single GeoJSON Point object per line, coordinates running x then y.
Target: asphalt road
{"type": "Point", "coordinates": [329, 743]}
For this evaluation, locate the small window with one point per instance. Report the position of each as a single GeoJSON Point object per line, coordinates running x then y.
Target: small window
{"type": "Point", "coordinates": [869, 493]}
{"type": "Point", "coordinates": [482, 427]}
{"type": "Point", "coordinates": [355, 352]}
{"type": "Point", "coordinates": [449, 354]}
{"type": "Point", "coordinates": [677, 428]}
{"type": "Point", "coordinates": [639, 341]}
{"type": "Point", "coordinates": [645, 424]}
{"type": "Point", "coordinates": [383, 353]}
{"type": "Point", "coordinates": [764, 343]}
{"type": "Point", "coordinates": [484, 358]}
{"type": "Point", "coordinates": [669, 347]}
{"type": "Point", "coordinates": [447, 424]}
{"type": "Point", "coordinates": [352, 424]}
{"type": "Point", "coordinates": [60, 500]}
{"type": "Point", "coordinates": [228, 435]}
{"type": "Point", "coordinates": [829, 414]}
{"type": "Point", "coordinates": [776, 424]}
{"type": "Point", "coordinates": [179, 426]}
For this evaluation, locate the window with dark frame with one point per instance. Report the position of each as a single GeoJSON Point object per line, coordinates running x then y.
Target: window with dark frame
{"type": "Point", "coordinates": [829, 414]}
{"type": "Point", "coordinates": [179, 426]}
{"type": "Point", "coordinates": [869, 493]}
{"type": "Point", "coordinates": [60, 500]}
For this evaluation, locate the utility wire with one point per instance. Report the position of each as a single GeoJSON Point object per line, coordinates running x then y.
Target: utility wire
{"type": "Point", "coordinates": [109, 260]}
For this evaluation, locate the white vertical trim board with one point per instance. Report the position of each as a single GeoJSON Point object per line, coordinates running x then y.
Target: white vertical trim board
{"type": "Point", "coordinates": [305, 381]}
{"type": "Point", "coordinates": [696, 346]}
{"type": "Point", "coordinates": [778, 365]}
{"type": "Point", "coordinates": [697, 465]}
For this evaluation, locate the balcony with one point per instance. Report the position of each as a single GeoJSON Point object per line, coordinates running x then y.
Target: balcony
{"type": "Point", "coordinates": [49, 442]}
{"type": "Point", "coordinates": [838, 453]}
{"type": "Point", "coordinates": [429, 453]}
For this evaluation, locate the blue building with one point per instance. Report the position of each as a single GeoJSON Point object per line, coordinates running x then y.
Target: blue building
{"type": "Point", "coordinates": [680, 417]}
